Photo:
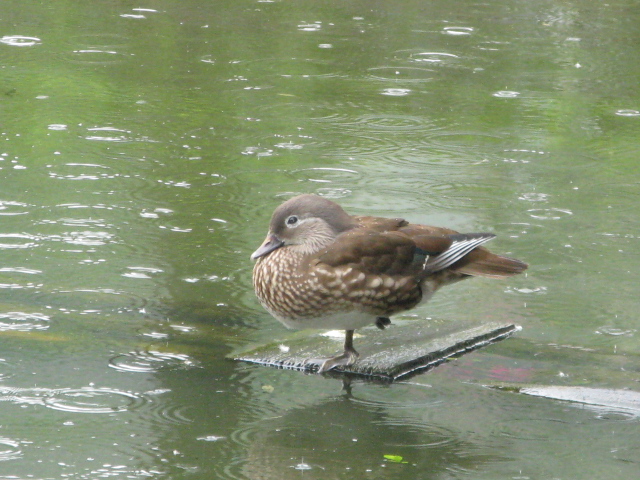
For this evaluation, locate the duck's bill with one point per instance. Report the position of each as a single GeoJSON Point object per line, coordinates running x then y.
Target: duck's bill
{"type": "Point", "coordinates": [270, 244]}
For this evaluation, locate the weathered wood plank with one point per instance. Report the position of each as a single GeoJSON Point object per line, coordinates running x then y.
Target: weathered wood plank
{"type": "Point", "coordinates": [388, 355]}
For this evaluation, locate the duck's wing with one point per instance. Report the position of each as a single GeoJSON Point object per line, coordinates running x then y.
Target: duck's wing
{"type": "Point", "coordinates": [463, 253]}
{"type": "Point", "coordinates": [373, 253]}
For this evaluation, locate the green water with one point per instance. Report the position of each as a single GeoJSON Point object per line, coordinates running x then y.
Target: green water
{"type": "Point", "coordinates": [143, 148]}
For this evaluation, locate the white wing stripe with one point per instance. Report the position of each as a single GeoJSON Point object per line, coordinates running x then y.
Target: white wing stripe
{"type": "Point", "coordinates": [455, 252]}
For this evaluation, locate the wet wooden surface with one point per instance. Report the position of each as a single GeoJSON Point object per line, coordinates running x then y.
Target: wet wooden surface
{"type": "Point", "coordinates": [389, 354]}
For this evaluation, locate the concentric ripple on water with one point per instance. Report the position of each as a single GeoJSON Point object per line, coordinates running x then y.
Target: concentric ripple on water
{"type": "Point", "coordinates": [148, 361]}
{"type": "Point", "coordinates": [9, 449]}
{"type": "Point", "coordinates": [20, 41]}
{"type": "Point", "coordinates": [23, 322]}
{"type": "Point", "coordinates": [326, 174]}
{"type": "Point", "coordinates": [92, 400]}
{"type": "Point", "coordinates": [98, 49]}
{"type": "Point", "coordinates": [78, 400]}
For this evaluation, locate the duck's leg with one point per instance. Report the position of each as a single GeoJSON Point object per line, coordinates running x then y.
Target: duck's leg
{"type": "Point", "coordinates": [348, 357]}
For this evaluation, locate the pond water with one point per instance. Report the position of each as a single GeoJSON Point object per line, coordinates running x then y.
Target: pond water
{"type": "Point", "coordinates": [143, 147]}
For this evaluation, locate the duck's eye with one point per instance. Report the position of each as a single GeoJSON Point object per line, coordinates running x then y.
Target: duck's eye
{"type": "Point", "coordinates": [292, 221]}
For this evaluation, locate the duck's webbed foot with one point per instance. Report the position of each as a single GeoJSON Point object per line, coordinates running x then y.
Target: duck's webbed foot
{"type": "Point", "coordinates": [345, 359]}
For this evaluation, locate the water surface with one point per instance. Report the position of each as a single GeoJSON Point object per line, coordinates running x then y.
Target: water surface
{"type": "Point", "coordinates": [143, 149]}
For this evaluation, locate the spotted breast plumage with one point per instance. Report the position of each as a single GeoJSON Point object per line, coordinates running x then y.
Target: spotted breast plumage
{"type": "Point", "coordinates": [320, 267]}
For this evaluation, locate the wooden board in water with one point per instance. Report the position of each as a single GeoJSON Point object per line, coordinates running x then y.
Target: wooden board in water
{"type": "Point", "coordinates": [388, 355]}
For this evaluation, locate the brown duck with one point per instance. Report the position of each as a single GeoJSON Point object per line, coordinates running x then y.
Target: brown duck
{"type": "Point", "coordinates": [320, 267]}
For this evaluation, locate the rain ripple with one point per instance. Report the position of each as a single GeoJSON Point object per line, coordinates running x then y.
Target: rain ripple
{"type": "Point", "coordinates": [625, 112]}
{"type": "Point", "coordinates": [78, 400]}
{"type": "Point", "coordinates": [27, 271]}
{"type": "Point", "coordinates": [615, 331]}
{"type": "Point", "coordinates": [24, 240]}
{"type": "Point", "coordinates": [18, 240]}
{"type": "Point", "coordinates": [12, 284]}
{"type": "Point", "coordinates": [149, 361]}
{"type": "Point", "coordinates": [20, 41]}
{"type": "Point", "coordinates": [8, 208]}
{"type": "Point", "coordinates": [392, 123]}
{"type": "Point", "coordinates": [95, 56]}
{"type": "Point", "coordinates": [99, 49]}
{"type": "Point", "coordinates": [396, 92]}
{"type": "Point", "coordinates": [111, 300]}
{"type": "Point", "coordinates": [549, 213]}
{"type": "Point", "coordinates": [161, 413]}
{"type": "Point", "coordinates": [9, 449]}
{"type": "Point", "coordinates": [374, 147]}
{"type": "Point", "coordinates": [400, 432]}
{"type": "Point", "coordinates": [92, 400]}
{"type": "Point", "coordinates": [100, 400]}
{"type": "Point", "coordinates": [113, 134]}
{"type": "Point", "coordinates": [331, 182]}
{"type": "Point", "coordinates": [23, 322]}
{"type": "Point", "coordinates": [326, 175]}
{"type": "Point", "coordinates": [247, 435]}
{"type": "Point", "coordinates": [457, 30]}
{"type": "Point", "coordinates": [433, 57]}
{"type": "Point", "coordinates": [141, 272]}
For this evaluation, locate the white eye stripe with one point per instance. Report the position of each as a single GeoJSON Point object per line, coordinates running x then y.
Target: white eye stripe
{"type": "Point", "coordinates": [298, 221]}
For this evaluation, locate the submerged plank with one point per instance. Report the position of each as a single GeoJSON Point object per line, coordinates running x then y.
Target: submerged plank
{"type": "Point", "coordinates": [390, 354]}
{"type": "Point", "coordinates": [607, 399]}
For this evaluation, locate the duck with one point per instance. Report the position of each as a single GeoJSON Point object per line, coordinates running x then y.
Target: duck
{"type": "Point", "coordinates": [322, 268]}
